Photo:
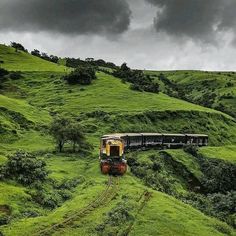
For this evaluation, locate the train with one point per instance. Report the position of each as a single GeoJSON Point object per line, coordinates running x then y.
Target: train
{"type": "Point", "coordinates": [113, 147]}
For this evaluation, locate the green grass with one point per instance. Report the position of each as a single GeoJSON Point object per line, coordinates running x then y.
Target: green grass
{"type": "Point", "coordinates": [106, 93]}
{"type": "Point", "coordinates": [227, 153]}
{"type": "Point", "coordinates": [165, 215]}
{"type": "Point", "coordinates": [199, 85]}
{"type": "Point", "coordinates": [42, 93]}
{"type": "Point", "coordinates": [29, 112]}
{"type": "Point", "coordinates": [21, 61]}
{"type": "Point", "coordinates": [31, 141]}
{"type": "Point", "coordinates": [186, 160]}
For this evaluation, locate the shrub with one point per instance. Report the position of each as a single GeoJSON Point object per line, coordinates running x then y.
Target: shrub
{"type": "Point", "coordinates": [48, 199]}
{"type": "Point", "coordinates": [191, 149]}
{"type": "Point", "coordinates": [81, 75]}
{"type": "Point", "coordinates": [25, 168]}
{"type": "Point", "coordinates": [4, 219]}
{"type": "Point", "coordinates": [3, 72]}
{"type": "Point", "coordinates": [15, 75]}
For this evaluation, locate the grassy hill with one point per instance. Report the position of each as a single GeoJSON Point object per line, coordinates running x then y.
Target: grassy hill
{"type": "Point", "coordinates": [22, 61]}
{"type": "Point", "coordinates": [27, 107]}
{"type": "Point", "coordinates": [212, 89]}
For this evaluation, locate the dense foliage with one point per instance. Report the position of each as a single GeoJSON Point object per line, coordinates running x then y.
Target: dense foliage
{"type": "Point", "coordinates": [74, 63]}
{"type": "Point", "coordinates": [139, 80]}
{"type": "Point", "coordinates": [45, 56]}
{"type": "Point", "coordinates": [18, 46]}
{"type": "Point", "coordinates": [219, 175]}
{"type": "Point", "coordinates": [81, 75]}
{"type": "Point", "coordinates": [25, 168]}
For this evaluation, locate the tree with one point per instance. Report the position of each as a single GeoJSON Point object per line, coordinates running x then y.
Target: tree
{"type": "Point", "coordinates": [18, 46]}
{"type": "Point", "coordinates": [54, 58]}
{"type": "Point", "coordinates": [81, 75]}
{"type": "Point", "coordinates": [36, 53]}
{"type": "Point", "coordinates": [67, 131]}
{"type": "Point", "coordinates": [45, 56]}
{"type": "Point", "coordinates": [74, 134]}
{"type": "Point", "coordinates": [58, 130]}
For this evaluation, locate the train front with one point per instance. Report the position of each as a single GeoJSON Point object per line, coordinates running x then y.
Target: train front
{"type": "Point", "coordinates": [112, 160]}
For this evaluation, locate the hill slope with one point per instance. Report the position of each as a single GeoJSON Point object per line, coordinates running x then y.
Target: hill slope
{"type": "Point", "coordinates": [22, 61]}
{"type": "Point", "coordinates": [212, 89]}
{"type": "Point", "coordinates": [28, 105]}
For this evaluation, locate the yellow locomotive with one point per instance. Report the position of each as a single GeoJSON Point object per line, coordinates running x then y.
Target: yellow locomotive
{"type": "Point", "coordinates": [112, 159]}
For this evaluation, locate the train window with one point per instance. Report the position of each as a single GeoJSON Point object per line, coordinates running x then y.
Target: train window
{"type": "Point", "coordinates": [114, 151]}
{"type": "Point", "coordinates": [104, 143]}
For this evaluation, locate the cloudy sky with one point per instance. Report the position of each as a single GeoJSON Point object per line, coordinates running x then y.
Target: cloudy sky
{"type": "Point", "coordinates": [147, 34]}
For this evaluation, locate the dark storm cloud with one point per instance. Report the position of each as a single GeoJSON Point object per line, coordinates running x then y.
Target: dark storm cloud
{"type": "Point", "coordinates": [65, 16]}
{"type": "Point", "coordinates": [197, 19]}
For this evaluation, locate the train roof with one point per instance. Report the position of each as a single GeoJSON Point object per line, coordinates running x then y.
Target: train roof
{"type": "Point", "coordinates": [120, 135]}
{"type": "Point", "coordinates": [197, 135]}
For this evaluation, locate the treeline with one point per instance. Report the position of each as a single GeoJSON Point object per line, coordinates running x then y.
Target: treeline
{"type": "Point", "coordinates": [139, 81]}
{"type": "Point", "coordinates": [74, 63]}
{"type": "Point", "coordinates": [45, 56]}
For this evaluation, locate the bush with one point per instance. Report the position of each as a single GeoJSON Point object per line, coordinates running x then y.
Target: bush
{"type": "Point", "coordinates": [3, 72]}
{"type": "Point", "coordinates": [15, 75]}
{"type": "Point", "coordinates": [4, 219]}
{"type": "Point", "coordinates": [81, 75]}
{"type": "Point", "coordinates": [191, 149]}
{"type": "Point", "coordinates": [25, 168]}
{"type": "Point", "coordinates": [48, 199]}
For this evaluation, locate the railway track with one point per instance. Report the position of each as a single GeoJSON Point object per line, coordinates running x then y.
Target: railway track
{"type": "Point", "coordinates": [144, 198]}
{"type": "Point", "coordinates": [105, 197]}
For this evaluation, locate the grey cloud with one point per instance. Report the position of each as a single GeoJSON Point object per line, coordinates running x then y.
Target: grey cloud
{"type": "Point", "coordinates": [65, 16]}
{"type": "Point", "coordinates": [197, 19]}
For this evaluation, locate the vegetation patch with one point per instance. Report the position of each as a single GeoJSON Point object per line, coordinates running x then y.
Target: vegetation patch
{"type": "Point", "coordinates": [81, 75]}
{"type": "Point", "coordinates": [213, 192]}
{"type": "Point", "coordinates": [139, 80]}
{"type": "Point", "coordinates": [25, 168]}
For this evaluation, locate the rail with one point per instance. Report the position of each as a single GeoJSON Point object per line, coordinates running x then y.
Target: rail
{"type": "Point", "coordinates": [105, 197]}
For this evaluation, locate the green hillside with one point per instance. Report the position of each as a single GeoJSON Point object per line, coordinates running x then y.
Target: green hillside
{"type": "Point", "coordinates": [212, 89]}
{"type": "Point", "coordinates": [22, 61]}
{"type": "Point", "coordinates": [28, 106]}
